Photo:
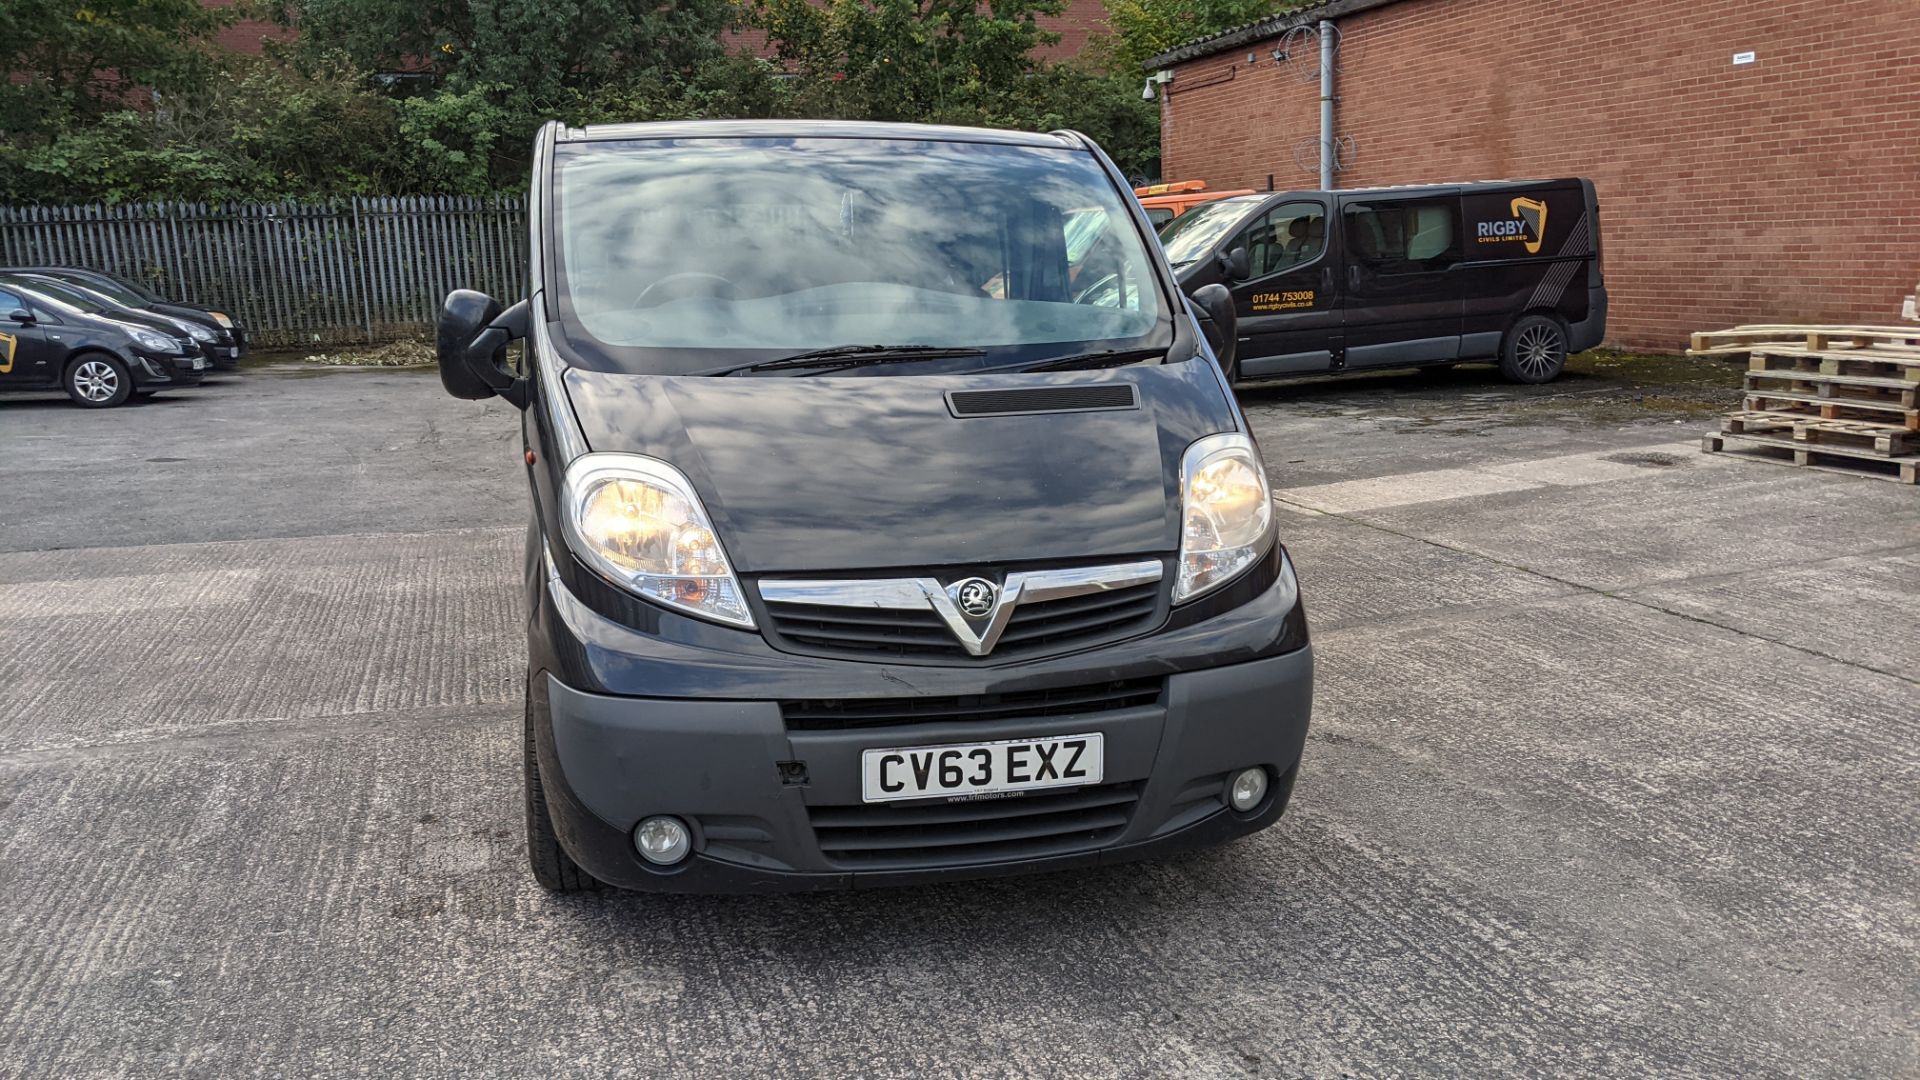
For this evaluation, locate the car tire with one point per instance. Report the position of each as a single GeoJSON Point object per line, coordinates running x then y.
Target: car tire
{"type": "Point", "coordinates": [1535, 350]}
{"type": "Point", "coordinates": [98, 380]}
{"type": "Point", "coordinates": [553, 868]}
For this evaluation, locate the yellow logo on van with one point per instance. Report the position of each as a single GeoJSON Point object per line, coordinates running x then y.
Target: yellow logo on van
{"type": "Point", "coordinates": [1527, 226]}
{"type": "Point", "coordinates": [1534, 213]}
{"type": "Point", "coordinates": [7, 345]}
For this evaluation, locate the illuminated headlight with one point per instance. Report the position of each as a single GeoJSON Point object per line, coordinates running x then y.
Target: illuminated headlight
{"type": "Point", "coordinates": [1226, 513]}
{"type": "Point", "coordinates": [637, 520]}
{"type": "Point", "coordinates": [221, 318]}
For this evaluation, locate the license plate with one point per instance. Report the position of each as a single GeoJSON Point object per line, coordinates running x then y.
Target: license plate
{"type": "Point", "coordinates": [230, 353]}
{"type": "Point", "coordinates": [199, 363]}
{"type": "Point", "coordinates": [931, 772]}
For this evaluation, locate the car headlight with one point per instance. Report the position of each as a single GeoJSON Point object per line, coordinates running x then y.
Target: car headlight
{"type": "Point", "coordinates": [155, 340]}
{"type": "Point", "coordinates": [197, 332]}
{"type": "Point", "coordinates": [1226, 513]}
{"type": "Point", "coordinates": [637, 520]}
{"type": "Point", "coordinates": [221, 318]}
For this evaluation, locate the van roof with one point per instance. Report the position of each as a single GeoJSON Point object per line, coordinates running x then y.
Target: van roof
{"type": "Point", "coordinates": [811, 129]}
{"type": "Point", "coordinates": [1461, 186]}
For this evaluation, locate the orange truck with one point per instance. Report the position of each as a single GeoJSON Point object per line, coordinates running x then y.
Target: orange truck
{"type": "Point", "coordinates": [1164, 202]}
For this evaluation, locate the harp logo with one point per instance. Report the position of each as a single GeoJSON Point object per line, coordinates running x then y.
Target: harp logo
{"type": "Point", "coordinates": [1527, 226]}
{"type": "Point", "coordinates": [7, 344]}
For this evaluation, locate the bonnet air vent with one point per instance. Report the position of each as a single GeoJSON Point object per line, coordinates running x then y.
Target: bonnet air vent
{"type": "Point", "coordinates": [1045, 399]}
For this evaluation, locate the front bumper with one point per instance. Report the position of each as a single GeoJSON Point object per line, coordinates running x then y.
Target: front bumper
{"type": "Point", "coordinates": [167, 369]}
{"type": "Point", "coordinates": [730, 766]}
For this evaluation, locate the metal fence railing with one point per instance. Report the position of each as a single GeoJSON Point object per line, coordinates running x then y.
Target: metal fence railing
{"type": "Point", "coordinates": [358, 270]}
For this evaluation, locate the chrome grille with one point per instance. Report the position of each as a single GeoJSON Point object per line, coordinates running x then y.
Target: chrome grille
{"type": "Point", "coordinates": [897, 837]}
{"type": "Point", "coordinates": [1040, 612]}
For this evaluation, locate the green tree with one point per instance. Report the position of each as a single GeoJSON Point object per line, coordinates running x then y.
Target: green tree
{"type": "Point", "coordinates": [83, 60]}
{"type": "Point", "coordinates": [1143, 29]}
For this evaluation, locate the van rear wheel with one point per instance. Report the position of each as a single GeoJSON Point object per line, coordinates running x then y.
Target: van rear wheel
{"type": "Point", "coordinates": [1535, 350]}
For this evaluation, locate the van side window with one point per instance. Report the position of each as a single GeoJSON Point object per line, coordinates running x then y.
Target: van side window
{"type": "Point", "coordinates": [1401, 237]}
{"type": "Point", "coordinates": [1284, 237]}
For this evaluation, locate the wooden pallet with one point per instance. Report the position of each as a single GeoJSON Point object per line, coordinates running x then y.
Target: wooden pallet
{"type": "Point", "coordinates": [1764, 447]}
{"type": "Point", "coordinates": [1816, 406]}
{"type": "Point", "coordinates": [1901, 365]}
{"type": "Point", "coordinates": [1884, 440]}
{"type": "Point", "coordinates": [1812, 337]}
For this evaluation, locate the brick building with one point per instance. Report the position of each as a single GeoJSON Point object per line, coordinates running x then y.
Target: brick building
{"type": "Point", "coordinates": [1778, 186]}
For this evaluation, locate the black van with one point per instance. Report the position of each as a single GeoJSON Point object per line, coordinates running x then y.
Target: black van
{"type": "Point", "coordinates": [1328, 282]}
{"type": "Point", "coordinates": [879, 535]}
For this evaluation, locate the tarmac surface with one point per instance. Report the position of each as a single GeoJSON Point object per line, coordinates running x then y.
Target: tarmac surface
{"type": "Point", "coordinates": [1613, 772]}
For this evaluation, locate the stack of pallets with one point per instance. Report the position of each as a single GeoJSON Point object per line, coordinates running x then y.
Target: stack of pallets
{"type": "Point", "coordinates": [1845, 398]}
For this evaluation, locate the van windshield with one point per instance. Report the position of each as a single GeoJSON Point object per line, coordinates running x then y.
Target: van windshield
{"type": "Point", "coordinates": [1190, 236]}
{"type": "Point", "coordinates": [687, 255]}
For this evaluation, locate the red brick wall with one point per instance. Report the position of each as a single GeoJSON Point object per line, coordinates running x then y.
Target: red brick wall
{"type": "Point", "coordinates": [1787, 189]}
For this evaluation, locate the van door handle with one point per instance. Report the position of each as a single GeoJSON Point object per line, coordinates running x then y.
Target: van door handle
{"type": "Point", "coordinates": [1353, 277]}
{"type": "Point", "coordinates": [1326, 279]}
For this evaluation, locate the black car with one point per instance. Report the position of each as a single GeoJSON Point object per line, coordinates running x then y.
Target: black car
{"type": "Point", "coordinates": [879, 534]}
{"type": "Point", "coordinates": [1335, 282]}
{"type": "Point", "coordinates": [227, 344]}
{"type": "Point", "coordinates": [56, 339]}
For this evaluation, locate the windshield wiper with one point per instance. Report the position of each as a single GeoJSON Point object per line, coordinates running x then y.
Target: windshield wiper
{"type": "Point", "coordinates": [850, 356]}
{"type": "Point", "coordinates": [1105, 358]}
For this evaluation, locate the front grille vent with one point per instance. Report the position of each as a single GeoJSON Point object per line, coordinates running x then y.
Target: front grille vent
{"type": "Point", "coordinates": [1044, 399]}
{"type": "Point", "coordinates": [1034, 627]}
{"type": "Point", "coordinates": [921, 835]}
{"type": "Point", "coordinates": [839, 714]}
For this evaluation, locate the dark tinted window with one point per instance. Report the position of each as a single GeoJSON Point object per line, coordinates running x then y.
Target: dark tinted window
{"type": "Point", "coordinates": [1402, 236]}
{"type": "Point", "coordinates": [1284, 237]}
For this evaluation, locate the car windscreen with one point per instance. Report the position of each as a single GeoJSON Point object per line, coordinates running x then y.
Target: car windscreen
{"type": "Point", "coordinates": [1190, 236]}
{"type": "Point", "coordinates": [109, 290]}
{"type": "Point", "coordinates": [689, 255]}
{"type": "Point", "coordinates": [65, 294]}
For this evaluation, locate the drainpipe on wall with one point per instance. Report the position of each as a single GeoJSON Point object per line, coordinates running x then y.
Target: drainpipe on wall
{"type": "Point", "coordinates": [1326, 105]}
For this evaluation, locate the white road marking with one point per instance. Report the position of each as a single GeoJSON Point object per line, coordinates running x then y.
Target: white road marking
{"type": "Point", "coordinates": [1439, 485]}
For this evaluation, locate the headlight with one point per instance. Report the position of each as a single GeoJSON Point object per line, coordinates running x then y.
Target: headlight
{"type": "Point", "coordinates": [197, 332]}
{"type": "Point", "coordinates": [637, 520]}
{"type": "Point", "coordinates": [1226, 513]}
{"type": "Point", "coordinates": [221, 318]}
{"type": "Point", "coordinates": [155, 340]}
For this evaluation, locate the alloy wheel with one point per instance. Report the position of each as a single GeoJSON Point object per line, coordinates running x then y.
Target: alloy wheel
{"type": "Point", "coordinates": [1540, 351]}
{"type": "Point", "coordinates": [96, 380]}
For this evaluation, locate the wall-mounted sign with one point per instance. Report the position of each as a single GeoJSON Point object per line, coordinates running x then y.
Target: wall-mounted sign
{"type": "Point", "coordinates": [1743, 58]}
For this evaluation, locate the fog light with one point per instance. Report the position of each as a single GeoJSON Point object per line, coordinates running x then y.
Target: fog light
{"type": "Point", "coordinates": [664, 841]}
{"type": "Point", "coordinates": [1249, 787]}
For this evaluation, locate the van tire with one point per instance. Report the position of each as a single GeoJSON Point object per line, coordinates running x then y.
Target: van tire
{"type": "Point", "coordinates": [97, 380]}
{"type": "Point", "coordinates": [1535, 350]}
{"type": "Point", "coordinates": [553, 868]}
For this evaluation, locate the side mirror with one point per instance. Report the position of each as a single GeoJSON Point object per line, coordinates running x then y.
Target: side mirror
{"type": "Point", "coordinates": [471, 343]}
{"type": "Point", "coordinates": [1234, 264]}
{"type": "Point", "coordinates": [22, 316]}
{"type": "Point", "coordinates": [1219, 322]}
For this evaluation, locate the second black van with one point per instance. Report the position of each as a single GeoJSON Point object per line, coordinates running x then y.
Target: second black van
{"type": "Point", "coordinates": [1329, 282]}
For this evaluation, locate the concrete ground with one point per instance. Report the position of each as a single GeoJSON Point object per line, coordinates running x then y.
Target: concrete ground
{"type": "Point", "coordinates": [1613, 772]}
